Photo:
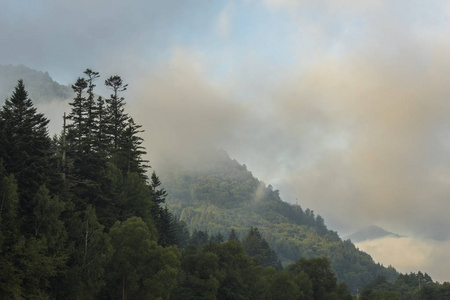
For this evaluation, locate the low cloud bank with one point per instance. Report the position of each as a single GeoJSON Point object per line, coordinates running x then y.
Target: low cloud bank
{"type": "Point", "coordinates": [411, 255]}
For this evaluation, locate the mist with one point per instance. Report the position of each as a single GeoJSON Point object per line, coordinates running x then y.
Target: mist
{"type": "Point", "coordinates": [411, 255]}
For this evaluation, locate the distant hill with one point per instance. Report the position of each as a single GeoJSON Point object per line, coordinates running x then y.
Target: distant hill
{"type": "Point", "coordinates": [222, 194]}
{"type": "Point", "coordinates": [370, 233]}
{"type": "Point", "coordinates": [39, 85]}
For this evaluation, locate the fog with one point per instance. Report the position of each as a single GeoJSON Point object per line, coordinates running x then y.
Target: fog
{"type": "Point", "coordinates": [411, 255]}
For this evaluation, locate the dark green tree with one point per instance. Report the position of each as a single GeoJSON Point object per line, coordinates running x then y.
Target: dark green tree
{"type": "Point", "coordinates": [26, 148]}
{"type": "Point", "coordinates": [115, 117]}
{"type": "Point", "coordinates": [77, 116]}
{"type": "Point", "coordinates": [11, 276]}
{"type": "Point", "coordinates": [47, 221]}
{"type": "Point", "coordinates": [182, 232]}
{"type": "Point", "coordinates": [323, 279]}
{"type": "Point", "coordinates": [166, 226]}
{"type": "Point", "coordinates": [232, 236]}
{"type": "Point", "coordinates": [90, 108]}
{"type": "Point", "coordinates": [140, 269]}
{"type": "Point", "coordinates": [199, 238]}
{"type": "Point", "coordinates": [258, 249]}
{"type": "Point", "coordinates": [129, 155]}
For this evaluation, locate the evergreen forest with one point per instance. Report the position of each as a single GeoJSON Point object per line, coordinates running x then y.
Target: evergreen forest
{"type": "Point", "coordinates": [83, 216]}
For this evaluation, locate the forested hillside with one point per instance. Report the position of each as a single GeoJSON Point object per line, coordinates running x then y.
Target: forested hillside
{"type": "Point", "coordinates": [222, 194]}
{"type": "Point", "coordinates": [82, 216]}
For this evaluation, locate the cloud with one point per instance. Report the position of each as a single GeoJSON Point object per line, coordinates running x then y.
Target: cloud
{"type": "Point", "coordinates": [54, 110]}
{"type": "Point", "coordinates": [411, 255]}
{"type": "Point", "coordinates": [184, 114]}
{"type": "Point", "coordinates": [388, 113]}
{"type": "Point", "coordinates": [105, 35]}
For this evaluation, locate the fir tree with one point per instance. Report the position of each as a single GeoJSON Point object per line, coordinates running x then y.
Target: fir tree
{"type": "Point", "coordinates": [77, 115]}
{"type": "Point", "coordinates": [26, 147]}
{"type": "Point", "coordinates": [116, 118]}
{"type": "Point", "coordinates": [90, 108]}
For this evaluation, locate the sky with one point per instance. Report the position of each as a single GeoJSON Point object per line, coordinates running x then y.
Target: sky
{"type": "Point", "coordinates": [342, 105]}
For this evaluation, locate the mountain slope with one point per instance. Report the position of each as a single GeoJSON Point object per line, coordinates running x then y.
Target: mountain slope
{"type": "Point", "coordinates": [370, 233]}
{"type": "Point", "coordinates": [223, 194]}
{"type": "Point", "coordinates": [40, 86]}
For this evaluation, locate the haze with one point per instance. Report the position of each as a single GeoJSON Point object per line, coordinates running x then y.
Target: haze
{"type": "Point", "coordinates": [342, 106]}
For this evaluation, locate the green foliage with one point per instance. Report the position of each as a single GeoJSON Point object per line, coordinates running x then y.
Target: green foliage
{"type": "Point", "coordinates": [98, 228]}
{"type": "Point", "coordinates": [223, 195]}
{"type": "Point", "coordinates": [258, 249]}
{"type": "Point", "coordinates": [224, 271]}
{"type": "Point", "coordinates": [140, 269]}
{"type": "Point", "coordinates": [407, 286]}
{"type": "Point", "coordinates": [25, 145]}
{"type": "Point", "coordinates": [10, 285]}
{"type": "Point", "coordinates": [46, 219]}
{"type": "Point", "coordinates": [322, 277]}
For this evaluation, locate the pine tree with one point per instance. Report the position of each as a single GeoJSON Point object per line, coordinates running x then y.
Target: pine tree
{"type": "Point", "coordinates": [129, 154]}
{"type": "Point", "coordinates": [158, 194]}
{"type": "Point", "coordinates": [167, 235]}
{"type": "Point", "coordinates": [257, 248]}
{"type": "Point", "coordinates": [116, 118]}
{"type": "Point", "coordinates": [101, 142]}
{"type": "Point", "coordinates": [87, 153]}
{"type": "Point", "coordinates": [77, 116]}
{"type": "Point", "coordinates": [26, 147]}
{"type": "Point", "coordinates": [90, 108]}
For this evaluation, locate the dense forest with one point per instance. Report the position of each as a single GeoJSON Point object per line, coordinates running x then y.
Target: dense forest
{"type": "Point", "coordinates": [83, 217]}
{"type": "Point", "coordinates": [222, 194]}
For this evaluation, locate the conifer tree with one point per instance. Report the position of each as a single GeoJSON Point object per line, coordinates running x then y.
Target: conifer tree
{"type": "Point", "coordinates": [257, 248]}
{"type": "Point", "coordinates": [101, 142]}
{"type": "Point", "coordinates": [90, 108]}
{"type": "Point", "coordinates": [158, 194]}
{"type": "Point", "coordinates": [116, 118]}
{"type": "Point", "coordinates": [86, 163]}
{"type": "Point", "coordinates": [26, 147]}
{"type": "Point", "coordinates": [77, 115]}
{"type": "Point", "coordinates": [167, 235]}
{"type": "Point", "coordinates": [130, 152]}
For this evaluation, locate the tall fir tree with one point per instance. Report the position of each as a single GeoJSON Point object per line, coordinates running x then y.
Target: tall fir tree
{"type": "Point", "coordinates": [116, 118]}
{"type": "Point", "coordinates": [26, 147]}
{"type": "Point", "coordinates": [77, 115]}
{"type": "Point", "coordinates": [129, 156]}
{"type": "Point", "coordinates": [91, 109]}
